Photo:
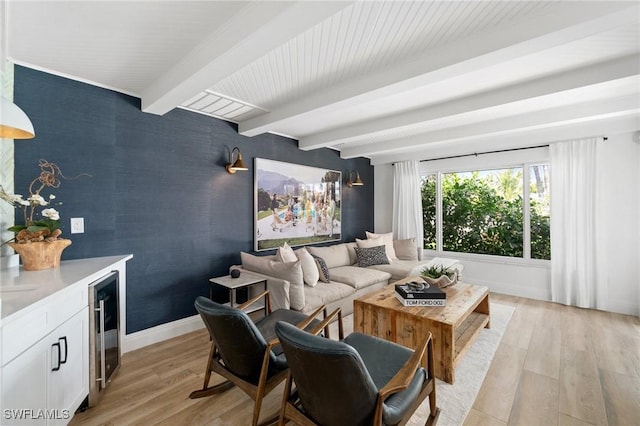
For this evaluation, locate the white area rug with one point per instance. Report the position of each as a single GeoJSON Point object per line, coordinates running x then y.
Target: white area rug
{"type": "Point", "coordinates": [456, 400]}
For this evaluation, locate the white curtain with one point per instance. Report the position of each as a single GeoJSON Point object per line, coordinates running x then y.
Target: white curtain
{"type": "Point", "coordinates": [577, 245]}
{"type": "Point", "coordinates": [407, 202]}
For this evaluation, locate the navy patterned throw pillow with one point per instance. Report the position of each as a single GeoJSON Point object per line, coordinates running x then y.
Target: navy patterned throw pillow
{"type": "Point", "coordinates": [371, 256]}
{"type": "Point", "coordinates": [322, 269]}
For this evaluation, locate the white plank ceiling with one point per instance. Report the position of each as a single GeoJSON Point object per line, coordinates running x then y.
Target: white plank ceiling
{"type": "Point", "coordinates": [388, 80]}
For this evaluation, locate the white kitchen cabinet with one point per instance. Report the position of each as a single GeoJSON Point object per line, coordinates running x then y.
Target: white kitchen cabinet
{"type": "Point", "coordinates": [44, 339]}
{"type": "Point", "coordinates": [24, 389]}
{"type": "Point", "coordinates": [69, 385]}
{"type": "Point", "coordinates": [45, 384]}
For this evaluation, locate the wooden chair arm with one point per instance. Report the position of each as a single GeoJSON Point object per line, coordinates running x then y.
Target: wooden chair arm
{"type": "Point", "coordinates": [325, 322]}
{"type": "Point", "coordinates": [304, 323]}
{"type": "Point", "coordinates": [271, 344]}
{"type": "Point", "coordinates": [250, 302]}
{"type": "Point", "coordinates": [301, 325]}
{"type": "Point", "coordinates": [404, 376]}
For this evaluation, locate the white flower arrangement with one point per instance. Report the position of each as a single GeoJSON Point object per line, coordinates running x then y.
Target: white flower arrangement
{"type": "Point", "coordinates": [51, 214]}
{"type": "Point", "coordinates": [47, 226]}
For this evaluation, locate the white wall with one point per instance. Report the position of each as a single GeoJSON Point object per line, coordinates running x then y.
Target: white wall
{"type": "Point", "coordinates": [506, 276]}
{"type": "Point", "coordinates": [621, 178]}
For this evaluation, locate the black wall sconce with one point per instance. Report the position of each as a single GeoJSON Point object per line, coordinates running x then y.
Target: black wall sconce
{"type": "Point", "coordinates": [354, 182]}
{"type": "Point", "coordinates": [234, 166]}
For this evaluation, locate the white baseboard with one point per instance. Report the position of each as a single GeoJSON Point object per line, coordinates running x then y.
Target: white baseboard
{"type": "Point", "coordinates": [514, 290]}
{"type": "Point", "coordinates": [617, 306]}
{"type": "Point", "coordinates": [623, 307]}
{"type": "Point", "coordinates": [159, 333]}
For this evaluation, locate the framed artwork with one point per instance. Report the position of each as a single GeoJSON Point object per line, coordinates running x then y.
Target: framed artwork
{"type": "Point", "coordinates": [295, 204]}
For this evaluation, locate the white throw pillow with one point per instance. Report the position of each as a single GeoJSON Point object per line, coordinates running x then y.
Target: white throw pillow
{"type": "Point", "coordinates": [309, 268]}
{"type": "Point", "coordinates": [372, 242]}
{"type": "Point", "coordinates": [406, 249]}
{"type": "Point", "coordinates": [388, 243]}
{"type": "Point", "coordinates": [288, 271]}
{"type": "Point", "coordinates": [352, 252]}
{"type": "Point", "coordinates": [334, 256]}
{"type": "Point", "coordinates": [286, 254]}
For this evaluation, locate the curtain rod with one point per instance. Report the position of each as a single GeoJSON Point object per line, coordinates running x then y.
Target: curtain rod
{"type": "Point", "coordinates": [475, 154]}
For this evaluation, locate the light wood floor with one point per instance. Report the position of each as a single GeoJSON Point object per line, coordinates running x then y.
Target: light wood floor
{"type": "Point", "coordinates": [556, 365]}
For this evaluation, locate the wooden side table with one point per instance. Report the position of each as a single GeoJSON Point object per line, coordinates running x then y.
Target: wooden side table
{"type": "Point", "coordinates": [246, 279]}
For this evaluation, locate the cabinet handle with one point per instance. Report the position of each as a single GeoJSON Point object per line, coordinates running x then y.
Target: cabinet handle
{"type": "Point", "coordinates": [58, 345]}
{"type": "Point", "coordinates": [103, 367]}
{"type": "Point", "coordinates": [66, 349]}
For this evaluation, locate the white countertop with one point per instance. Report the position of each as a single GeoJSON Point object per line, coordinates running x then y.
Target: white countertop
{"type": "Point", "coordinates": [20, 289]}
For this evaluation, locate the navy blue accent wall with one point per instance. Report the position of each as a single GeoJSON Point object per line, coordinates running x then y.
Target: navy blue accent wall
{"type": "Point", "coordinates": [158, 188]}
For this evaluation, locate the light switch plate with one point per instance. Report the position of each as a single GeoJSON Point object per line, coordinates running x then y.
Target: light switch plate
{"type": "Point", "coordinates": [77, 225]}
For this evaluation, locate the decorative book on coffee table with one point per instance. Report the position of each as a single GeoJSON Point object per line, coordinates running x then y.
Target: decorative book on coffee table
{"type": "Point", "coordinates": [429, 295]}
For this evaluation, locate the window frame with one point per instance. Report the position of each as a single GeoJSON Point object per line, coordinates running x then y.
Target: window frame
{"type": "Point", "coordinates": [519, 159]}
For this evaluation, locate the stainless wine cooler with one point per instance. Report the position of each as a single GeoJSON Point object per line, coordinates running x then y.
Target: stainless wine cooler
{"type": "Point", "coordinates": [104, 334]}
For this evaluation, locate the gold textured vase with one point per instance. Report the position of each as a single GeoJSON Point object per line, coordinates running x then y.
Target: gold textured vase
{"type": "Point", "coordinates": [40, 255]}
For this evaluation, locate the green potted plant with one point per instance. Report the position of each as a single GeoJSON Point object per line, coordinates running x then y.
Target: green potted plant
{"type": "Point", "coordinates": [440, 276]}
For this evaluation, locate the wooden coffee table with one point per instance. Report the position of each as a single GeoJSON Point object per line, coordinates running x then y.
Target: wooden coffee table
{"type": "Point", "coordinates": [454, 327]}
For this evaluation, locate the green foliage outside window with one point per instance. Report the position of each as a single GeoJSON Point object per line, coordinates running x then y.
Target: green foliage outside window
{"type": "Point", "coordinates": [540, 235]}
{"type": "Point", "coordinates": [429, 211]}
{"type": "Point", "coordinates": [539, 207]}
{"type": "Point", "coordinates": [478, 219]}
{"type": "Point", "coordinates": [482, 212]}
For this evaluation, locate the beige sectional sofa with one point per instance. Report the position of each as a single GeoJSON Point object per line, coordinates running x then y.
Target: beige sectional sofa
{"type": "Point", "coordinates": [289, 287]}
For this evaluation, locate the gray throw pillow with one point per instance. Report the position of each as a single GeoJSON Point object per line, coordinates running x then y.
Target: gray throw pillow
{"type": "Point", "coordinates": [322, 269]}
{"type": "Point", "coordinates": [372, 256]}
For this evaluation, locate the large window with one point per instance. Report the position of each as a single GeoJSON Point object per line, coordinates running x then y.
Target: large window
{"type": "Point", "coordinates": [488, 212]}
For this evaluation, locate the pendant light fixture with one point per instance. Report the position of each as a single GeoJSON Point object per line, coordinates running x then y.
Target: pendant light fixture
{"type": "Point", "coordinates": [14, 123]}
